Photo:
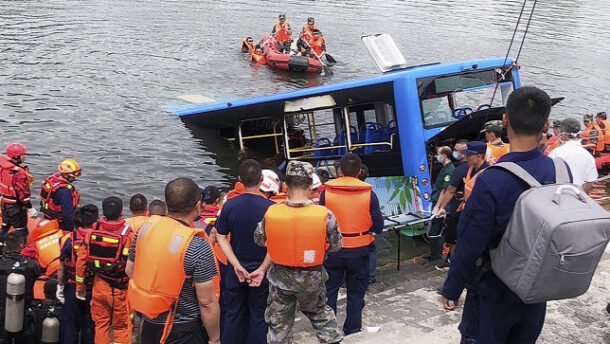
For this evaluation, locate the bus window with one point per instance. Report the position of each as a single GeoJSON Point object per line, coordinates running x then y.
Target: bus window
{"type": "Point", "coordinates": [312, 134]}
{"type": "Point", "coordinates": [372, 127]}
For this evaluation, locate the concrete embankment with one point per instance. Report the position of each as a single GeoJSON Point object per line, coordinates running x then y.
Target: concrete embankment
{"type": "Point", "coordinates": [407, 308]}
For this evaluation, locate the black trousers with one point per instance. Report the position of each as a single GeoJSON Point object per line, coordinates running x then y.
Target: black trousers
{"type": "Point", "coordinates": [184, 333]}
{"type": "Point", "coordinates": [14, 215]}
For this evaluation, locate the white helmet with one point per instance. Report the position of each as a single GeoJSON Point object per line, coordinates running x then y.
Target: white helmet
{"type": "Point", "coordinates": [316, 181]}
{"type": "Point", "coordinates": [271, 182]}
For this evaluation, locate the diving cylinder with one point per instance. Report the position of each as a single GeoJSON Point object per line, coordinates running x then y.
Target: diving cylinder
{"type": "Point", "coordinates": [15, 290]}
{"type": "Point", "coordinates": [50, 330]}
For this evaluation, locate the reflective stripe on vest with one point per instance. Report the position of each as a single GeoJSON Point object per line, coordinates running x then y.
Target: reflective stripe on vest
{"type": "Point", "coordinates": [47, 192]}
{"type": "Point", "coordinates": [296, 236]}
{"type": "Point", "coordinates": [349, 199]}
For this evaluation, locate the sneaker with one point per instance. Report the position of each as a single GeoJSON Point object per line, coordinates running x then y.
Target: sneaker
{"type": "Point", "coordinates": [426, 256]}
{"type": "Point", "coordinates": [444, 266]}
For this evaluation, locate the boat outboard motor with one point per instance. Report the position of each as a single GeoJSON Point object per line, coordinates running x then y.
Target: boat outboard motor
{"type": "Point", "coordinates": [50, 330]}
{"type": "Point", "coordinates": [15, 292]}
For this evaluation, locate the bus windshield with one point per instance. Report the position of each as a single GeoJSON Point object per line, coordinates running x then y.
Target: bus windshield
{"type": "Point", "coordinates": [445, 99]}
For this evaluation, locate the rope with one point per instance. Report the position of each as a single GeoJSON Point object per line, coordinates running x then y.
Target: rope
{"type": "Point", "coordinates": [526, 29]}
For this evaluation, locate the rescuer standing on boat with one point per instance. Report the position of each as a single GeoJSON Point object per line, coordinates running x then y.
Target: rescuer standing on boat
{"type": "Point", "coordinates": [171, 267]}
{"type": "Point", "coordinates": [593, 136]}
{"type": "Point", "coordinates": [282, 32]}
{"type": "Point", "coordinates": [306, 34]}
{"type": "Point", "coordinates": [492, 312]}
{"type": "Point", "coordinates": [15, 180]}
{"type": "Point", "coordinates": [58, 197]}
{"type": "Point", "coordinates": [602, 120]}
{"type": "Point", "coordinates": [495, 146]}
{"type": "Point", "coordinates": [297, 234]}
{"type": "Point", "coordinates": [356, 207]}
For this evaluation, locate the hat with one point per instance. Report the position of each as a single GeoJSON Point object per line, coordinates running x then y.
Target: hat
{"type": "Point", "coordinates": [271, 182]}
{"type": "Point", "coordinates": [310, 20]}
{"type": "Point", "coordinates": [282, 16]}
{"type": "Point", "coordinates": [588, 118]}
{"type": "Point", "coordinates": [556, 124]}
{"type": "Point", "coordinates": [570, 126]}
{"type": "Point", "coordinates": [495, 125]}
{"type": "Point", "coordinates": [316, 181]}
{"type": "Point", "coordinates": [475, 147]}
{"type": "Point", "coordinates": [299, 168]}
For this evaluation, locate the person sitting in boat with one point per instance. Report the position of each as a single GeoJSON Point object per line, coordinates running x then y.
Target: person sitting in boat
{"type": "Point", "coordinates": [602, 120]}
{"type": "Point", "coordinates": [258, 56]}
{"type": "Point", "coordinates": [282, 31]}
{"type": "Point", "coordinates": [592, 137]}
{"type": "Point", "coordinates": [306, 34]}
{"type": "Point", "coordinates": [317, 45]}
{"type": "Point", "coordinates": [247, 45]}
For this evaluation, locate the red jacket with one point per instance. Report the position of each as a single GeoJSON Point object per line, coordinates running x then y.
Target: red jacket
{"type": "Point", "coordinates": [19, 181]}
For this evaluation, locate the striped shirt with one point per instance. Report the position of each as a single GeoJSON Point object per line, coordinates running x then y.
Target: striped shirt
{"type": "Point", "coordinates": [198, 263]}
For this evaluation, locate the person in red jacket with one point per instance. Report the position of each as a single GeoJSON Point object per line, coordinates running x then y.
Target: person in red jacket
{"type": "Point", "coordinates": [15, 181]}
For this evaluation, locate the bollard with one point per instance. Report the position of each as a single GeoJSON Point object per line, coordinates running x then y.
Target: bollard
{"type": "Point", "coordinates": [15, 290]}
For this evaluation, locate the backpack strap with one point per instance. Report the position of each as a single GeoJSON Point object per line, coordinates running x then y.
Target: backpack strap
{"type": "Point", "coordinates": [519, 172]}
{"type": "Point", "coordinates": [562, 176]}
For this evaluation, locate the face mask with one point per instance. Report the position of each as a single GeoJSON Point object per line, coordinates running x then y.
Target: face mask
{"type": "Point", "coordinates": [439, 159]}
{"type": "Point", "coordinates": [456, 156]}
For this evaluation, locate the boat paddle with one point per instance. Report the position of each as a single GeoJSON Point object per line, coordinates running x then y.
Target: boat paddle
{"type": "Point", "coordinates": [327, 70]}
{"type": "Point", "coordinates": [330, 58]}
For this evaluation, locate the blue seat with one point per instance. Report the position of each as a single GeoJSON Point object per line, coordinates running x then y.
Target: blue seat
{"type": "Point", "coordinates": [390, 130]}
{"type": "Point", "coordinates": [321, 143]}
{"type": "Point", "coordinates": [373, 132]}
{"type": "Point", "coordinates": [341, 140]}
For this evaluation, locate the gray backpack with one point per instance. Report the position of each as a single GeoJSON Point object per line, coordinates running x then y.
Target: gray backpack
{"type": "Point", "coordinates": [554, 239]}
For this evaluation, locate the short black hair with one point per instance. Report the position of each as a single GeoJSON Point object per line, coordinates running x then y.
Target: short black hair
{"type": "Point", "coordinates": [157, 207]}
{"type": "Point", "coordinates": [461, 141]}
{"type": "Point", "coordinates": [350, 165]}
{"type": "Point", "coordinates": [138, 203]}
{"type": "Point", "coordinates": [250, 173]}
{"type": "Point", "coordinates": [14, 242]}
{"type": "Point", "coordinates": [528, 109]}
{"type": "Point", "coordinates": [181, 196]}
{"type": "Point", "coordinates": [210, 194]}
{"type": "Point", "coordinates": [364, 172]}
{"type": "Point", "coordinates": [89, 213]}
{"type": "Point", "coordinates": [602, 115]}
{"type": "Point", "coordinates": [323, 175]}
{"type": "Point", "coordinates": [76, 218]}
{"type": "Point", "coordinates": [298, 182]}
{"type": "Point", "coordinates": [445, 150]}
{"type": "Point", "coordinates": [112, 207]}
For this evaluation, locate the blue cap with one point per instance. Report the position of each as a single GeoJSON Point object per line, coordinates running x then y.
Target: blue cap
{"type": "Point", "coordinates": [475, 147]}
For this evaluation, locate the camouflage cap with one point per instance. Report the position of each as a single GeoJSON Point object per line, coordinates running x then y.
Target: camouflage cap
{"type": "Point", "coordinates": [310, 21]}
{"type": "Point", "coordinates": [588, 117]}
{"type": "Point", "coordinates": [495, 125]}
{"type": "Point", "coordinates": [556, 124]}
{"type": "Point", "coordinates": [299, 168]}
{"type": "Point", "coordinates": [282, 16]}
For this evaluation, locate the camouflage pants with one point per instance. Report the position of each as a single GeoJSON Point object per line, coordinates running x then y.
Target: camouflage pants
{"type": "Point", "coordinates": [281, 309]}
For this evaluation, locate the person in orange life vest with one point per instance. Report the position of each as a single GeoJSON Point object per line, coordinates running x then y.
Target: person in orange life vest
{"type": "Point", "coordinates": [317, 45]}
{"type": "Point", "coordinates": [247, 45]}
{"type": "Point", "coordinates": [15, 180]}
{"type": "Point", "coordinates": [297, 234]}
{"type": "Point", "coordinates": [245, 286]}
{"type": "Point", "coordinates": [495, 147]}
{"type": "Point", "coordinates": [306, 34]}
{"type": "Point", "coordinates": [282, 32]}
{"type": "Point", "coordinates": [138, 206]}
{"type": "Point", "coordinates": [171, 267]}
{"type": "Point", "coordinates": [157, 207]}
{"type": "Point", "coordinates": [356, 207]}
{"type": "Point", "coordinates": [211, 198]}
{"type": "Point", "coordinates": [44, 246]}
{"type": "Point", "coordinates": [315, 189]}
{"type": "Point", "coordinates": [553, 141]}
{"type": "Point", "coordinates": [77, 324]}
{"type": "Point", "coordinates": [58, 197]}
{"type": "Point", "coordinates": [103, 254]}
{"type": "Point", "coordinates": [602, 120]}
{"type": "Point", "coordinates": [237, 190]}
{"type": "Point", "coordinates": [593, 136]}
{"type": "Point", "coordinates": [257, 56]}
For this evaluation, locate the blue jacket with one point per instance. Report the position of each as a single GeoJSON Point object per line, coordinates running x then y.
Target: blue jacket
{"type": "Point", "coordinates": [63, 197]}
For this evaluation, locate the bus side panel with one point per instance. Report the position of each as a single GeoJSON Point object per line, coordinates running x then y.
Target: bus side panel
{"type": "Point", "coordinates": [412, 141]}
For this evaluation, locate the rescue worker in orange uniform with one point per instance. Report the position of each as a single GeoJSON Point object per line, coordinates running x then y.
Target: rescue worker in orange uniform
{"type": "Point", "coordinates": [495, 147]}
{"type": "Point", "coordinates": [356, 207]}
{"type": "Point", "coordinates": [171, 267]}
{"type": "Point", "coordinates": [282, 31]}
{"type": "Point", "coordinates": [77, 324]}
{"type": "Point", "coordinates": [317, 45]}
{"type": "Point", "coordinates": [15, 181]}
{"type": "Point", "coordinates": [306, 34]}
{"type": "Point", "coordinates": [602, 120]}
{"type": "Point", "coordinates": [58, 197]}
{"type": "Point", "coordinates": [257, 56]}
{"type": "Point", "coordinates": [593, 136]}
{"type": "Point", "coordinates": [297, 234]}
{"type": "Point", "coordinates": [138, 206]}
{"type": "Point", "coordinates": [103, 254]}
{"type": "Point", "coordinates": [553, 141]}
{"type": "Point", "coordinates": [247, 45]}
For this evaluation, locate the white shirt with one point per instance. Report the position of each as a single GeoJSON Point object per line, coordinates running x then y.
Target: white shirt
{"type": "Point", "coordinates": [580, 161]}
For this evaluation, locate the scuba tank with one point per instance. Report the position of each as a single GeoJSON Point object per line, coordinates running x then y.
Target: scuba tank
{"type": "Point", "coordinates": [50, 330]}
{"type": "Point", "coordinates": [15, 292]}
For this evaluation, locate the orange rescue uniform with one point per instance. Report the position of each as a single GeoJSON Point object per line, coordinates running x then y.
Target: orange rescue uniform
{"type": "Point", "coordinates": [495, 151]}
{"type": "Point", "coordinates": [606, 129]}
{"type": "Point", "coordinates": [349, 199]}
{"type": "Point", "coordinates": [282, 33]}
{"type": "Point", "coordinates": [599, 144]}
{"type": "Point", "coordinates": [258, 58]}
{"type": "Point", "coordinates": [307, 33]}
{"type": "Point", "coordinates": [318, 45]}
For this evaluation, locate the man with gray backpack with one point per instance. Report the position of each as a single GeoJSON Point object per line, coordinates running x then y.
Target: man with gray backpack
{"type": "Point", "coordinates": [526, 235]}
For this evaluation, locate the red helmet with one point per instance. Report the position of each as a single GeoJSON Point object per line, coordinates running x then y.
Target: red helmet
{"type": "Point", "coordinates": [15, 149]}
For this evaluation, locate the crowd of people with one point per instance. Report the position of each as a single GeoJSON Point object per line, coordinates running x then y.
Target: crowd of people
{"type": "Point", "coordinates": [205, 266]}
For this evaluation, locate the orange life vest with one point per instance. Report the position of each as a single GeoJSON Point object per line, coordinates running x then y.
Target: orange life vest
{"type": "Point", "coordinates": [78, 237]}
{"type": "Point", "coordinates": [469, 182]}
{"type": "Point", "coordinates": [7, 180]}
{"type": "Point", "coordinates": [107, 250]}
{"type": "Point", "coordinates": [248, 45]}
{"type": "Point", "coordinates": [551, 144]}
{"type": "Point", "coordinates": [349, 199]}
{"type": "Point", "coordinates": [317, 45]}
{"type": "Point", "coordinates": [586, 136]}
{"type": "Point", "coordinates": [296, 236]}
{"type": "Point", "coordinates": [279, 198]}
{"type": "Point", "coordinates": [158, 273]}
{"type": "Point", "coordinates": [238, 189]}
{"type": "Point", "coordinates": [606, 130]}
{"type": "Point", "coordinates": [281, 32]}
{"type": "Point", "coordinates": [50, 209]}
{"type": "Point", "coordinates": [307, 32]}
{"type": "Point", "coordinates": [48, 246]}
{"type": "Point", "coordinates": [258, 58]}
{"type": "Point", "coordinates": [495, 151]}
{"type": "Point", "coordinates": [136, 222]}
